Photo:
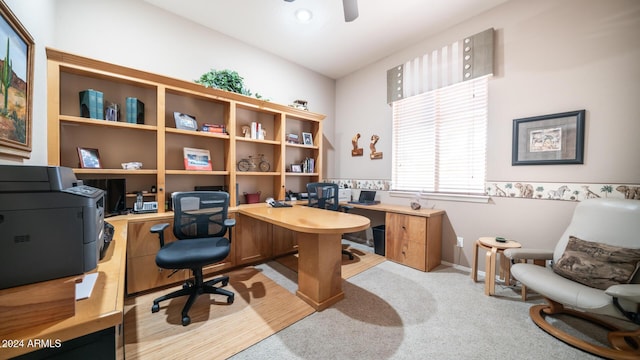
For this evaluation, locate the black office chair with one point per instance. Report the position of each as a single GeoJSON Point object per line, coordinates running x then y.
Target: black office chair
{"type": "Point", "coordinates": [200, 224]}
{"type": "Point", "coordinates": [325, 196]}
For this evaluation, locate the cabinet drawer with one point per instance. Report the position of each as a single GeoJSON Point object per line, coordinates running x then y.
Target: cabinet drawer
{"type": "Point", "coordinates": [140, 240]}
{"type": "Point", "coordinates": [143, 274]}
{"type": "Point", "coordinates": [406, 252]}
{"type": "Point", "coordinates": [284, 241]}
{"type": "Point", "coordinates": [253, 240]}
{"type": "Point", "coordinates": [406, 227]}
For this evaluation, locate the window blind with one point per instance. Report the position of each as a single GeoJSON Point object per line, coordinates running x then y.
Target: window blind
{"type": "Point", "coordinates": [439, 139]}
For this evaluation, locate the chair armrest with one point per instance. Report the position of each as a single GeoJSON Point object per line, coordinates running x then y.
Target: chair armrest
{"type": "Point", "coordinates": [629, 292]}
{"type": "Point", "coordinates": [528, 254]}
{"type": "Point", "coordinates": [230, 222]}
{"type": "Point", "coordinates": [158, 228]}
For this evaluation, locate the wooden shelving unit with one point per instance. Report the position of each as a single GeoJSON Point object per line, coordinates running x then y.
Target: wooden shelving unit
{"type": "Point", "coordinates": [158, 143]}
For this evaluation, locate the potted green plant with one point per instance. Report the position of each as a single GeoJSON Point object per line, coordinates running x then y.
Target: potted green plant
{"type": "Point", "coordinates": [225, 80]}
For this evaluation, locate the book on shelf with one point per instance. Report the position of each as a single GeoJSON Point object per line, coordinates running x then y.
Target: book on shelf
{"type": "Point", "coordinates": [197, 159]}
{"type": "Point", "coordinates": [308, 165]}
{"type": "Point", "coordinates": [256, 131]}
{"type": "Point", "coordinates": [214, 128]}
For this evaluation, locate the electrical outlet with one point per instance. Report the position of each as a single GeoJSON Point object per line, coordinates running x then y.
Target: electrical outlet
{"type": "Point", "coordinates": [460, 242]}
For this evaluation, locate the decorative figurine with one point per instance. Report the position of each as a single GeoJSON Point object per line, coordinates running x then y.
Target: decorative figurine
{"type": "Point", "coordinates": [356, 150]}
{"type": "Point", "coordinates": [375, 154]}
{"type": "Point", "coordinates": [246, 131]}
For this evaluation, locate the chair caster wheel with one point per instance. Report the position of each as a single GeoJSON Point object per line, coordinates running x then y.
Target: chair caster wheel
{"type": "Point", "coordinates": [230, 299]}
{"type": "Point", "coordinates": [155, 308]}
{"type": "Point", "coordinates": [186, 320]}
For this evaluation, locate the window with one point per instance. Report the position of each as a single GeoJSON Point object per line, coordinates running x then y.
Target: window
{"type": "Point", "coordinates": [439, 140]}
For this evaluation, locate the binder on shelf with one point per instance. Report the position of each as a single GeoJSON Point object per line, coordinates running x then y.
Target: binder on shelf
{"type": "Point", "coordinates": [91, 103]}
{"type": "Point", "coordinates": [135, 111]}
{"type": "Point", "coordinates": [99, 105]}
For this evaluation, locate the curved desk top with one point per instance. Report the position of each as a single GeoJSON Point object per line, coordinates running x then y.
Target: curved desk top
{"type": "Point", "coordinates": [308, 220]}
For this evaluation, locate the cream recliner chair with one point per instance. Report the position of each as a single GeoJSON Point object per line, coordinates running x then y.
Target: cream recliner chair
{"type": "Point", "coordinates": [615, 225]}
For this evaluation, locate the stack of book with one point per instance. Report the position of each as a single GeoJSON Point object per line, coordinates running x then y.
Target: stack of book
{"type": "Point", "coordinates": [135, 111]}
{"type": "Point", "coordinates": [308, 165]}
{"type": "Point", "coordinates": [214, 128]}
{"type": "Point", "coordinates": [256, 131]}
{"type": "Point", "coordinates": [91, 104]}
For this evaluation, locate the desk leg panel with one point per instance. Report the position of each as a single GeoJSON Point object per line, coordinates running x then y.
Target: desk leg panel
{"type": "Point", "coordinates": [319, 269]}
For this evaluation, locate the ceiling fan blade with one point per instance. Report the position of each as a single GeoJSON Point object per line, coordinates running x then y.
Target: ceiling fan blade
{"type": "Point", "coordinates": [350, 10]}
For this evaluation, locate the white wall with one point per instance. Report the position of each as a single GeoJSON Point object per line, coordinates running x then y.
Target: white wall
{"type": "Point", "coordinates": [36, 16]}
{"type": "Point", "coordinates": [135, 34]}
{"type": "Point", "coordinates": [552, 56]}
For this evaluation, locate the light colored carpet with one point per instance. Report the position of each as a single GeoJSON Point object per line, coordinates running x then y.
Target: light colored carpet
{"type": "Point", "coordinates": [394, 312]}
{"type": "Point", "coordinates": [217, 330]}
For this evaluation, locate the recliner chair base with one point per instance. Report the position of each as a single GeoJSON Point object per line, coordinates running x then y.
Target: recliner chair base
{"type": "Point", "coordinates": [624, 344]}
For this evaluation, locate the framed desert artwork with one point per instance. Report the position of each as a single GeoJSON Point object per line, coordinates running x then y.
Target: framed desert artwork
{"type": "Point", "coordinates": [16, 88]}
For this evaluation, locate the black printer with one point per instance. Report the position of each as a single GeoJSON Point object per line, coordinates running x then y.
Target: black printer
{"type": "Point", "coordinates": [50, 224]}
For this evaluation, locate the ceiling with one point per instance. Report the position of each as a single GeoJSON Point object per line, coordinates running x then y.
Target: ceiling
{"type": "Point", "coordinates": [327, 44]}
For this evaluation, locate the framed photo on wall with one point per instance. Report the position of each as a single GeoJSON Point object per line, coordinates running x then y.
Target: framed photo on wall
{"type": "Point", "coordinates": [549, 139]}
{"type": "Point", "coordinates": [16, 88]}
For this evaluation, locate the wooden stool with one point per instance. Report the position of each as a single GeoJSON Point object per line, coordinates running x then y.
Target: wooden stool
{"type": "Point", "coordinates": [493, 249]}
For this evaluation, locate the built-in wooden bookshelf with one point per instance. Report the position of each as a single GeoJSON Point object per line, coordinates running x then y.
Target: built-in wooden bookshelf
{"type": "Point", "coordinates": [158, 144]}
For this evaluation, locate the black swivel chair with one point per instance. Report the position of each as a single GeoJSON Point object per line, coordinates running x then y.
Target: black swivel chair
{"type": "Point", "coordinates": [325, 196]}
{"type": "Point", "coordinates": [200, 223]}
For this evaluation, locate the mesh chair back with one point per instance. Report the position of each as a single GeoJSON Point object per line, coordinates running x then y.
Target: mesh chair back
{"type": "Point", "coordinates": [323, 195]}
{"type": "Point", "coordinates": [200, 214]}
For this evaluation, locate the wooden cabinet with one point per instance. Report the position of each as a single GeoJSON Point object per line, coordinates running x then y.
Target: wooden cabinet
{"type": "Point", "coordinates": [412, 240]}
{"type": "Point", "coordinates": [255, 244]}
{"type": "Point", "coordinates": [158, 144]}
{"type": "Point", "coordinates": [142, 246]}
{"type": "Point", "coordinates": [284, 241]}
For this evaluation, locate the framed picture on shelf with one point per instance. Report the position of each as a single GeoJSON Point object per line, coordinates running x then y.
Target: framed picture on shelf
{"type": "Point", "coordinates": [296, 168]}
{"type": "Point", "coordinates": [89, 158]}
{"type": "Point", "coordinates": [293, 139]}
{"type": "Point", "coordinates": [197, 159]}
{"type": "Point", "coordinates": [17, 47]}
{"type": "Point", "coordinates": [185, 122]}
{"type": "Point", "coordinates": [549, 139]}
{"type": "Point", "coordinates": [307, 138]}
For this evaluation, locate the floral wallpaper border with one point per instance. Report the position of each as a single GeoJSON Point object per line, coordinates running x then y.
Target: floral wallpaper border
{"type": "Point", "coordinates": [523, 189]}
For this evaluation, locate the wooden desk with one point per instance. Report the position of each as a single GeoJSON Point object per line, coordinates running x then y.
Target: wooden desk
{"type": "Point", "coordinates": [413, 237]}
{"type": "Point", "coordinates": [104, 309]}
{"type": "Point", "coordinates": [319, 234]}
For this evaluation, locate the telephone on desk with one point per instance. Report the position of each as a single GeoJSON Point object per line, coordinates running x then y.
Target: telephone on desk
{"type": "Point", "coordinates": [141, 207]}
{"type": "Point", "coordinates": [277, 204]}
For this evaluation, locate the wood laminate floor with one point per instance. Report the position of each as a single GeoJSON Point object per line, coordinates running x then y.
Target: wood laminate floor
{"type": "Point", "coordinates": [217, 330]}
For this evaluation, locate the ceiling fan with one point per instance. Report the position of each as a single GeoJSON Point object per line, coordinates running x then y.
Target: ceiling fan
{"type": "Point", "coordinates": [350, 9]}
